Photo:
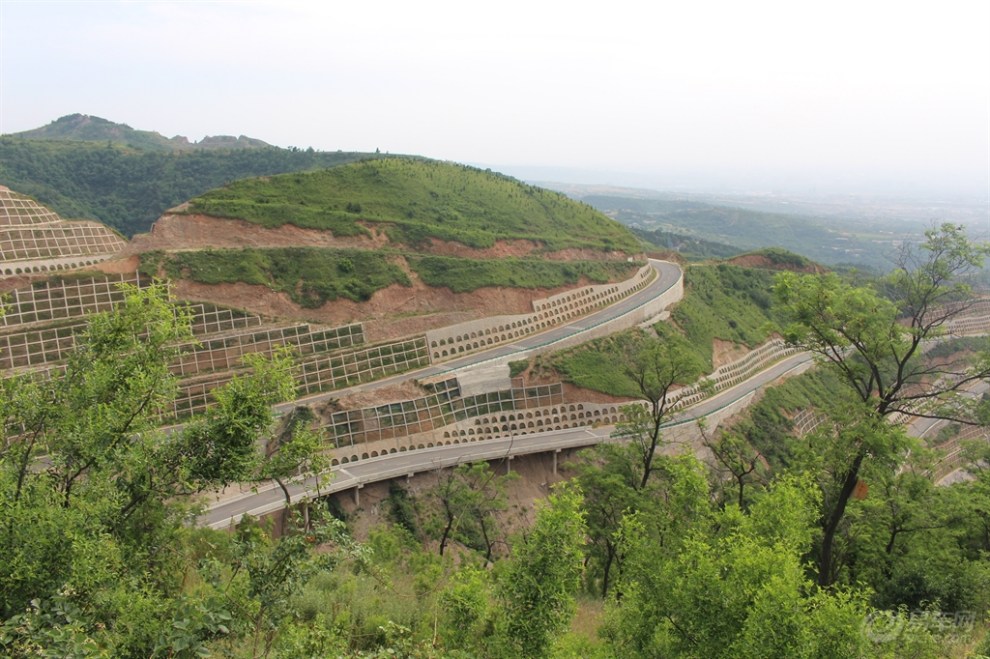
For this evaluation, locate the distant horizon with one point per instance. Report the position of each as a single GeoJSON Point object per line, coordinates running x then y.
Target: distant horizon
{"type": "Point", "coordinates": [672, 183]}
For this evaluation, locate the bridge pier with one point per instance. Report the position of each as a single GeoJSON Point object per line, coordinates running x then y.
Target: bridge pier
{"type": "Point", "coordinates": [357, 495]}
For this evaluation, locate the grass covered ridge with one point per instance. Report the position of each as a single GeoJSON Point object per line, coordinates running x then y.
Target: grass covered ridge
{"type": "Point", "coordinates": [725, 302]}
{"type": "Point", "coordinates": [418, 199]}
{"type": "Point", "coordinates": [313, 276]}
{"type": "Point", "coordinates": [464, 275]}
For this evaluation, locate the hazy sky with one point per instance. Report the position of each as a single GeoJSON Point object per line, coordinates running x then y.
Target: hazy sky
{"type": "Point", "coordinates": [818, 95]}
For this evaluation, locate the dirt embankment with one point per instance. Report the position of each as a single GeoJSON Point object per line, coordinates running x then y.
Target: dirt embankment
{"type": "Point", "coordinates": [182, 232]}
{"type": "Point", "coordinates": [726, 352]}
{"type": "Point", "coordinates": [391, 313]}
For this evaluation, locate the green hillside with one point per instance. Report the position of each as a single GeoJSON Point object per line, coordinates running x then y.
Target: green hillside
{"type": "Point", "coordinates": [723, 301]}
{"type": "Point", "coordinates": [86, 128]}
{"type": "Point", "coordinates": [690, 247]}
{"type": "Point", "coordinates": [418, 199]}
{"type": "Point", "coordinates": [129, 185]}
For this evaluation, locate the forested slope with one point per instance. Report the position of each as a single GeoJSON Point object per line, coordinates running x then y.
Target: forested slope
{"type": "Point", "coordinates": [129, 188]}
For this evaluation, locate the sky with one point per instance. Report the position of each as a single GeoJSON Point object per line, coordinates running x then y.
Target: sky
{"type": "Point", "coordinates": [814, 96]}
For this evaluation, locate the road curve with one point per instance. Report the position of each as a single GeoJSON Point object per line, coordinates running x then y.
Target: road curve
{"type": "Point", "coordinates": [668, 276]}
{"type": "Point", "coordinates": [269, 498]}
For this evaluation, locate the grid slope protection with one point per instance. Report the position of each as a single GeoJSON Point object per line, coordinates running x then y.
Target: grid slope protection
{"type": "Point", "coordinates": [318, 372]}
{"type": "Point", "coordinates": [43, 321]}
{"type": "Point", "coordinates": [35, 239]}
{"type": "Point", "coordinates": [444, 406]}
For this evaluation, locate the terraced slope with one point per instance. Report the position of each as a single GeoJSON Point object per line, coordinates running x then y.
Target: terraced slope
{"type": "Point", "coordinates": [33, 239]}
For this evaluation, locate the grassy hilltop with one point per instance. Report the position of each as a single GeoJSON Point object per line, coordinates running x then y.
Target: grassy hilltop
{"type": "Point", "coordinates": [417, 199]}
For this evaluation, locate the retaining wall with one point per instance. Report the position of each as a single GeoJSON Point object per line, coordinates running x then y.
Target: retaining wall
{"type": "Point", "coordinates": [471, 336]}
{"type": "Point", "coordinates": [449, 418]}
{"type": "Point", "coordinates": [61, 300]}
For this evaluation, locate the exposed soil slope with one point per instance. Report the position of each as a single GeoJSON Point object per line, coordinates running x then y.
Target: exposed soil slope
{"type": "Point", "coordinates": [190, 232]}
{"type": "Point", "coordinates": [390, 313]}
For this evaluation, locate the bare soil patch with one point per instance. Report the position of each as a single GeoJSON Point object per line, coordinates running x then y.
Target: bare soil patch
{"type": "Point", "coordinates": [726, 352]}
{"type": "Point", "coordinates": [179, 232]}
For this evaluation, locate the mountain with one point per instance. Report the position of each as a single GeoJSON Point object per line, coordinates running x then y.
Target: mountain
{"type": "Point", "coordinates": [87, 167]}
{"type": "Point", "coordinates": [86, 128]}
{"type": "Point", "coordinates": [670, 220]}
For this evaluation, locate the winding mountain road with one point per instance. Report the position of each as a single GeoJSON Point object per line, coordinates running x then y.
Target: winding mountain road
{"type": "Point", "coordinates": [668, 276]}
{"type": "Point", "coordinates": [225, 512]}
{"type": "Point", "coordinates": [269, 498]}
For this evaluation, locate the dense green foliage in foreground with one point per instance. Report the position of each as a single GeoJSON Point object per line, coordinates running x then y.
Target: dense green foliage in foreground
{"type": "Point", "coordinates": [734, 557]}
{"type": "Point", "coordinates": [417, 200]}
{"type": "Point", "coordinates": [312, 276]}
{"type": "Point", "coordinates": [128, 188]}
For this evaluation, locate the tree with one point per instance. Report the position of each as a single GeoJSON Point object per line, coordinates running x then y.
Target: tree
{"type": "Point", "coordinates": [606, 477]}
{"type": "Point", "coordinates": [539, 581]}
{"type": "Point", "coordinates": [95, 499]}
{"type": "Point", "coordinates": [913, 544]}
{"type": "Point", "coordinates": [471, 497]}
{"type": "Point", "coordinates": [872, 337]}
{"type": "Point", "coordinates": [656, 367]}
{"type": "Point", "coordinates": [732, 585]}
{"type": "Point", "coordinates": [297, 450]}
{"type": "Point", "coordinates": [736, 460]}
